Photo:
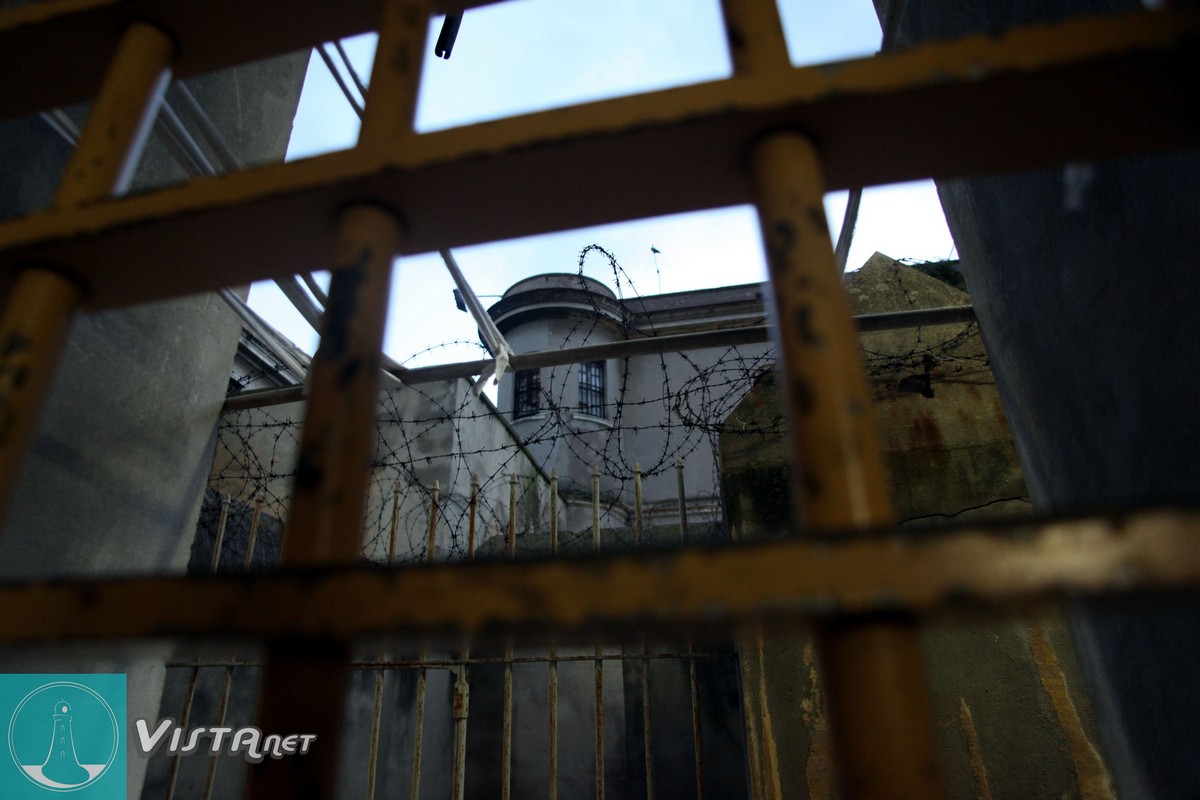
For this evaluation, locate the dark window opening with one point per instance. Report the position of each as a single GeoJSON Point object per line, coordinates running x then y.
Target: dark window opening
{"type": "Point", "coordinates": [527, 394]}
{"type": "Point", "coordinates": [591, 388]}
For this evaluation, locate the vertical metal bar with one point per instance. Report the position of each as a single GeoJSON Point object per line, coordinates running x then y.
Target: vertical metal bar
{"type": "Point", "coordinates": [396, 74]}
{"type": "Point", "coordinates": [755, 35]}
{"type": "Point", "coordinates": [325, 523]}
{"type": "Point", "coordinates": [462, 687]}
{"type": "Point", "coordinates": [461, 711]}
{"type": "Point", "coordinates": [506, 732]}
{"type": "Point", "coordinates": [431, 542]}
{"type": "Point", "coordinates": [419, 721]}
{"type": "Point", "coordinates": [697, 730]}
{"type": "Point", "coordinates": [41, 303]}
{"type": "Point", "coordinates": [376, 716]}
{"type": "Point", "coordinates": [647, 735]}
{"type": "Point", "coordinates": [512, 516]}
{"type": "Point", "coordinates": [596, 546]}
{"type": "Point", "coordinates": [637, 503]}
{"type": "Point", "coordinates": [471, 517]}
{"type": "Point", "coordinates": [595, 509]}
{"type": "Point", "coordinates": [338, 442]}
{"type": "Point", "coordinates": [210, 779]}
{"type": "Point", "coordinates": [553, 512]}
{"type": "Point", "coordinates": [553, 667]}
{"type": "Point", "coordinates": [380, 675]}
{"type": "Point", "coordinates": [879, 708]}
{"type": "Point", "coordinates": [682, 492]}
{"type": "Point", "coordinates": [252, 538]}
{"type": "Point", "coordinates": [227, 678]}
{"type": "Point", "coordinates": [184, 717]}
{"type": "Point", "coordinates": [394, 526]}
{"type": "Point", "coordinates": [219, 539]}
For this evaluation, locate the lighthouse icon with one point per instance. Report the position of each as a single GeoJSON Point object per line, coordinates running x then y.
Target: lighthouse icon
{"type": "Point", "coordinates": [62, 765]}
{"type": "Point", "coordinates": [64, 736]}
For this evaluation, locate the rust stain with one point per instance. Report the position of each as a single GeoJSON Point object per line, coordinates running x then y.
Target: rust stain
{"type": "Point", "coordinates": [974, 752]}
{"type": "Point", "coordinates": [1091, 775]}
{"type": "Point", "coordinates": [818, 771]}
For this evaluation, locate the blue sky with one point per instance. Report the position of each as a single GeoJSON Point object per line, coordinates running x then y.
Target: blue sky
{"type": "Point", "coordinates": [529, 55]}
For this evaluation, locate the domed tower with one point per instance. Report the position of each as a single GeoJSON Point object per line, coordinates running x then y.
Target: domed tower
{"type": "Point", "coordinates": [563, 413]}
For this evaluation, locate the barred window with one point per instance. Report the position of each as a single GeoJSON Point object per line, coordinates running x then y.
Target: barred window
{"type": "Point", "coordinates": [591, 388]}
{"type": "Point", "coordinates": [527, 395]}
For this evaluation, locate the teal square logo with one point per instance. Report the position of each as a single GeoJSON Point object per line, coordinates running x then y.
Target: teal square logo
{"type": "Point", "coordinates": [66, 735]}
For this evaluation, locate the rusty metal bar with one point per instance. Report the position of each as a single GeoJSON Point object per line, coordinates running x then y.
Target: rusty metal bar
{"type": "Point", "coordinates": [185, 716]}
{"type": "Point", "coordinates": [955, 108]}
{"type": "Point", "coordinates": [422, 657]}
{"type": "Point", "coordinates": [968, 567]}
{"type": "Point", "coordinates": [682, 494]}
{"type": "Point", "coordinates": [455, 663]}
{"type": "Point", "coordinates": [42, 302]}
{"type": "Point", "coordinates": [599, 665]}
{"type": "Point", "coordinates": [552, 690]}
{"type": "Point", "coordinates": [391, 100]}
{"type": "Point", "coordinates": [394, 526]}
{"type": "Point", "coordinates": [63, 42]}
{"type": "Point", "coordinates": [219, 538]}
{"type": "Point", "coordinates": [637, 504]}
{"type": "Point", "coordinates": [512, 516]}
{"type": "Point", "coordinates": [377, 704]}
{"type": "Point", "coordinates": [879, 706]}
{"type": "Point", "coordinates": [506, 732]}
{"type": "Point", "coordinates": [252, 537]}
{"type": "Point", "coordinates": [460, 712]}
{"type": "Point", "coordinates": [474, 508]}
{"type": "Point", "coordinates": [755, 35]}
{"type": "Point", "coordinates": [647, 732]}
{"type": "Point", "coordinates": [462, 688]}
{"type": "Point", "coordinates": [431, 542]}
{"type": "Point", "coordinates": [227, 676]}
{"type": "Point", "coordinates": [337, 444]}
{"type": "Point", "coordinates": [325, 521]}
{"type": "Point", "coordinates": [553, 512]}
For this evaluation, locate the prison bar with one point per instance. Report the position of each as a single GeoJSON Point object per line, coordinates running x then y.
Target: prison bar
{"type": "Point", "coordinates": [422, 656]}
{"type": "Point", "coordinates": [42, 300]}
{"type": "Point", "coordinates": [552, 669]}
{"type": "Point", "coordinates": [1016, 565]}
{"type": "Point", "coordinates": [274, 221]}
{"type": "Point", "coordinates": [325, 520]}
{"type": "Point", "coordinates": [599, 658]}
{"type": "Point", "coordinates": [506, 732]}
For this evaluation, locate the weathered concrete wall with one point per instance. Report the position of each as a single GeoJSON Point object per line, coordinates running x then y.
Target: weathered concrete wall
{"type": "Point", "coordinates": [115, 476]}
{"type": "Point", "coordinates": [1008, 697]}
{"type": "Point", "coordinates": [1084, 280]}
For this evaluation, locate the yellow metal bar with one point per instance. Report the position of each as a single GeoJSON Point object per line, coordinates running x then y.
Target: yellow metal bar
{"type": "Point", "coordinates": [396, 76]}
{"type": "Point", "coordinates": [39, 308]}
{"type": "Point", "coordinates": [422, 655]}
{"type": "Point", "coordinates": [338, 442]}
{"type": "Point", "coordinates": [755, 35]}
{"type": "Point", "coordinates": [328, 497]}
{"type": "Point", "coordinates": [1028, 98]}
{"type": "Point", "coordinates": [879, 704]}
{"type": "Point", "coordinates": [1026, 564]}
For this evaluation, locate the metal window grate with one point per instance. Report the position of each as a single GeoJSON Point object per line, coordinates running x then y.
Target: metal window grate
{"type": "Point", "coordinates": [591, 388]}
{"type": "Point", "coordinates": [527, 393]}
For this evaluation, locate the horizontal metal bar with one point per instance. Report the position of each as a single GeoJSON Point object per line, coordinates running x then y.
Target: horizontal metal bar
{"type": "Point", "coordinates": [1028, 98]}
{"type": "Point", "coordinates": [725, 337]}
{"type": "Point", "coordinates": [664, 592]}
{"type": "Point", "coordinates": [452, 663]}
{"type": "Point", "coordinates": [52, 54]}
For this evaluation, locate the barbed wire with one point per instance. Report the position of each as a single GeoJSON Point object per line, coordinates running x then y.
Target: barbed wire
{"type": "Point", "coordinates": [444, 430]}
